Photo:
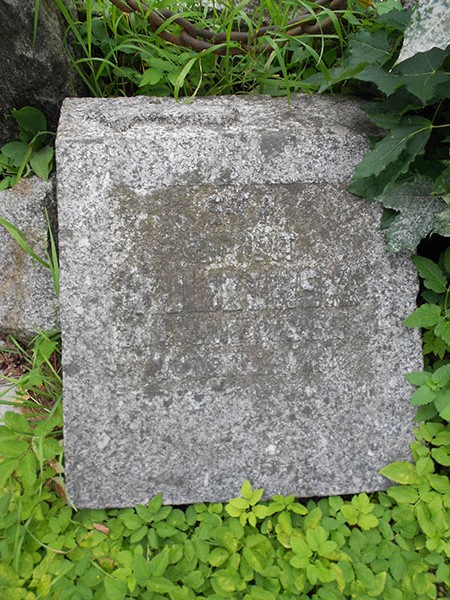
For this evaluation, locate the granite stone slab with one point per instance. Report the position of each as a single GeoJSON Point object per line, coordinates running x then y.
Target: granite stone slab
{"type": "Point", "coordinates": [229, 311]}
{"type": "Point", "coordinates": [27, 299]}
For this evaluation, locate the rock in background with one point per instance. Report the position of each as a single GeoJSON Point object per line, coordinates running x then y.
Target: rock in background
{"type": "Point", "coordinates": [27, 299]}
{"type": "Point", "coordinates": [38, 75]}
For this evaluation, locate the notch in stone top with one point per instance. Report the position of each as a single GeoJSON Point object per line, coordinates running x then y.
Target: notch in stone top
{"type": "Point", "coordinates": [312, 138]}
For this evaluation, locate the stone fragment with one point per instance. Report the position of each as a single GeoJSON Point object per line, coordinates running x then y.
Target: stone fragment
{"type": "Point", "coordinates": [37, 75]}
{"type": "Point", "coordinates": [229, 311]}
{"type": "Point", "coordinates": [27, 299]}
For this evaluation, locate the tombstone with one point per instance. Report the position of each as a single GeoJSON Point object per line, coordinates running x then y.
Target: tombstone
{"type": "Point", "coordinates": [229, 311]}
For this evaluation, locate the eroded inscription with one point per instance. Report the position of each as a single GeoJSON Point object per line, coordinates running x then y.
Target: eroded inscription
{"type": "Point", "coordinates": [229, 287]}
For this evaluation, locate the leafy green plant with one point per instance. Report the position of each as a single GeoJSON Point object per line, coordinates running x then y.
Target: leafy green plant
{"type": "Point", "coordinates": [118, 54]}
{"type": "Point", "coordinates": [408, 169]}
{"type": "Point", "coordinates": [392, 544]}
{"type": "Point", "coordinates": [31, 153]}
{"type": "Point", "coordinates": [433, 393]}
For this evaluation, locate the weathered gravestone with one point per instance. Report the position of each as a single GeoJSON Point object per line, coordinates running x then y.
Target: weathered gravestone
{"type": "Point", "coordinates": [228, 309]}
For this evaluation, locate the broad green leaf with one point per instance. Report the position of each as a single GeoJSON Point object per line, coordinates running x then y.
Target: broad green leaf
{"type": "Point", "coordinates": [400, 472]}
{"type": "Point", "coordinates": [259, 593]}
{"type": "Point", "coordinates": [417, 212]}
{"type": "Point", "coordinates": [441, 185]}
{"type": "Point", "coordinates": [427, 315]}
{"type": "Point", "coordinates": [162, 585]}
{"type": "Point", "coordinates": [442, 329]}
{"type": "Point", "coordinates": [15, 151]}
{"type": "Point", "coordinates": [442, 404]}
{"type": "Point", "coordinates": [425, 520]}
{"type": "Point", "coordinates": [41, 162]}
{"type": "Point", "coordinates": [431, 273]}
{"type": "Point", "coordinates": [150, 76]}
{"type": "Point", "coordinates": [441, 456]}
{"type": "Point", "coordinates": [246, 490]}
{"type": "Point", "coordinates": [13, 448]}
{"type": "Point", "coordinates": [367, 522]}
{"type": "Point", "coordinates": [218, 556]}
{"type": "Point", "coordinates": [424, 395]}
{"type": "Point", "coordinates": [16, 421]}
{"type": "Point", "coordinates": [428, 28]}
{"type": "Point", "coordinates": [115, 589]}
{"type": "Point", "coordinates": [441, 376]}
{"type": "Point", "coordinates": [159, 563]}
{"type": "Point", "coordinates": [442, 223]}
{"type": "Point", "coordinates": [403, 494]}
{"type": "Point", "coordinates": [418, 377]}
{"type": "Point", "coordinates": [254, 559]}
{"type": "Point", "coordinates": [226, 581]}
{"type": "Point", "coordinates": [421, 74]}
{"type": "Point", "coordinates": [316, 537]}
{"type": "Point", "coordinates": [390, 157]}
{"type": "Point", "coordinates": [7, 466]}
{"type": "Point", "coordinates": [383, 79]}
{"type": "Point", "coordinates": [30, 119]}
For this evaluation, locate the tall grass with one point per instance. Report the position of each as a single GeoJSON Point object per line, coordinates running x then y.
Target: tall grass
{"type": "Point", "coordinates": [117, 54]}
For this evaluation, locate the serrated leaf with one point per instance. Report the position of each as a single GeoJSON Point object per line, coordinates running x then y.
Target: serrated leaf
{"type": "Point", "coordinates": [12, 448]}
{"type": "Point", "coordinates": [421, 74]}
{"type": "Point", "coordinates": [150, 76]}
{"type": "Point", "coordinates": [441, 376]}
{"type": "Point", "coordinates": [428, 28]}
{"type": "Point", "coordinates": [423, 396]}
{"type": "Point", "coordinates": [417, 211]}
{"type": "Point", "coordinates": [427, 315]}
{"type": "Point", "coordinates": [400, 472]}
{"type": "Point", "coordinates": [442, 404]}
{"type": "Point", "coordinates": [384, 80]}
{"type": "Point", "coordinates": [390, 157]}
{"type": "Point", "coordinates": [442, 329]}
{"type": "Point", "coordinates": [431, 273]}
{"type": "Point", "coordinates": [418, 378]}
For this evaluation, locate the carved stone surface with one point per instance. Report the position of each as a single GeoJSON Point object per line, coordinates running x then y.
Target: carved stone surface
{"type": "Point", "coordinates": [27, 298]}
{"type": "Point", "coordinates": [228, 309]}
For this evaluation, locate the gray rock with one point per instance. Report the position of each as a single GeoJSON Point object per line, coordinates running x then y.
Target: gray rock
{"type": "Point", "coordinates": [229, 311]}
{"type": "Point", "coordinates": [27, 299]}
{"type": "Point", "coordinates": [38, 75]}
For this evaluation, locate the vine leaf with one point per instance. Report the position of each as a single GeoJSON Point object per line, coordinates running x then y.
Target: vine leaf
{"type": "Point", "coordinates": [421, 75]}
{"type": "Point", "coordinates": [390, 157]}
{"type": "Point", "coordinates": [428, 28]}
{"type": "Point", "coordinates": [417, 212]}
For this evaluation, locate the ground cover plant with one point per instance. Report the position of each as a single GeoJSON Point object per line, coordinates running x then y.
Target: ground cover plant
{"type": "Point", "coordinates": [31, 153]}
{"type": "Point", "coordinates": [388, 545]}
